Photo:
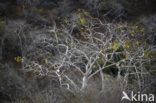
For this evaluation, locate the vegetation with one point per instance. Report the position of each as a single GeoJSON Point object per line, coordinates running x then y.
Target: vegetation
{"type": "Point", "coordinates": [70, 51]}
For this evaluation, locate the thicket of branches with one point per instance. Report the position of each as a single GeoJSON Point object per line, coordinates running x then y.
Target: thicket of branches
{"type": "Point", "coordinates": [85, 54]}
{"type": "Point", "coordinates": [76, 58]}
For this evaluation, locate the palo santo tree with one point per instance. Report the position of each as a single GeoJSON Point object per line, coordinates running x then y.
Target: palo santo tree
{"type": "Point", "coordinates": [74, 53]}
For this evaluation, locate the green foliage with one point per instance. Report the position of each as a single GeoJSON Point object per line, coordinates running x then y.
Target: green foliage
{"type": "Point", "coordinates": [19, 59]}
{"type": "Point", "coordinates": [115, 46]}
{"type": "Point", "coordinates": [101, 59]}
{"type": "Point", "coordinates": [150, 54]}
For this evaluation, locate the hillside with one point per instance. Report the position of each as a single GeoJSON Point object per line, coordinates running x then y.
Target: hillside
{"type": "Point", "coordinates": [77, 51]}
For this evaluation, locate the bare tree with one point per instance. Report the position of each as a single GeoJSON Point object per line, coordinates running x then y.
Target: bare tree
{"type": "Point", "coordinates": [74, 59]}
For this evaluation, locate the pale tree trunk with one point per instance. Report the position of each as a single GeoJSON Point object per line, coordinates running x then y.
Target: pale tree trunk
{"type": "Point", "coordinates": [102, 79]}
{"type": "Point", "coordinates": [84, 82]}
